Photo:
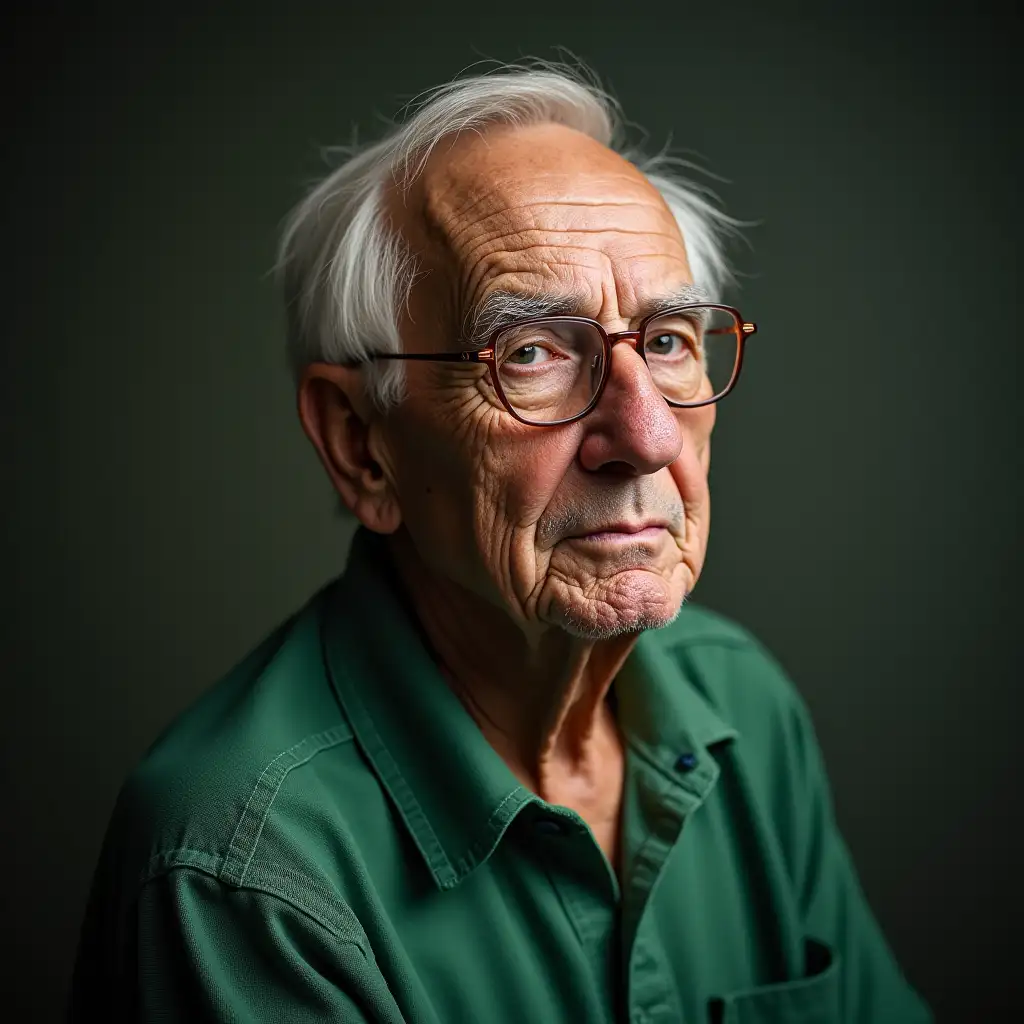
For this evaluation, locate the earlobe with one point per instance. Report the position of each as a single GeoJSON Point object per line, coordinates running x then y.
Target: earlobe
{"type": "Point", "coordinates": [339, 421]}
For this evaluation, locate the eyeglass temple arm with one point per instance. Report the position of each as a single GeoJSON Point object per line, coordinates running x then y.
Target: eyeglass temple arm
{"type": "Point", "coordinates": [483, 356]}
{"type": "Point", "coordinates": [745, 328]}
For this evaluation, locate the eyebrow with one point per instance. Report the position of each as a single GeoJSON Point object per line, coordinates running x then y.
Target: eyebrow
{"type": "Point", "coordinates": [501, 309]}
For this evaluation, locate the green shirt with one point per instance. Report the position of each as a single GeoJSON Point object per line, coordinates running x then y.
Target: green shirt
{"type": "Point", "coordinates": [327, 836]}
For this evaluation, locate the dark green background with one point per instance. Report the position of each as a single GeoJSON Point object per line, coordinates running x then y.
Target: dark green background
{"type": "Point", "coordinates": [164, 511]}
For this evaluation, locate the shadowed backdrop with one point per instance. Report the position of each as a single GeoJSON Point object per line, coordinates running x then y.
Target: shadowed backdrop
{"type": "Point", "coordinates": [163, 510]}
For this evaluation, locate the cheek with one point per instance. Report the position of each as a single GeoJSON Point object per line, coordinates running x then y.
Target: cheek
{"type": "Point", "coordinates": [429, 470]}
{"type": "Point", "coordinates": [520, 471]}
{"type": "Point", "coordinates": [690, 470]}
{"type": "Point", "coordinates": [473, 482]}
{"type": "Point", "coordinates": [434, 480]}
{"type": "Point", "coordinates": [699, 424]}
{"type": "Point", "coordinates": [437, 434]}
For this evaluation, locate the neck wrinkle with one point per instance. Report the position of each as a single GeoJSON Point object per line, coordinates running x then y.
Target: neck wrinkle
{"type": "Point", "coordinates": [541, 706]}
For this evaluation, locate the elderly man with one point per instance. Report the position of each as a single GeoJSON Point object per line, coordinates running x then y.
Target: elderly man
{"type": "Point", "coordinates": [496, 772]}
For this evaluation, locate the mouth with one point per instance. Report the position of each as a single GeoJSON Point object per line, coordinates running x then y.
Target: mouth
{"type": "Point", "coordinates": [623, 533]}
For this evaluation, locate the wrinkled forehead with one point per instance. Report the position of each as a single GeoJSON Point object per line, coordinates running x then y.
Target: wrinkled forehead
{"type": "Point", "coordinates": [540, 177]}
{"type": "Point", "coordinates": [534, 199]}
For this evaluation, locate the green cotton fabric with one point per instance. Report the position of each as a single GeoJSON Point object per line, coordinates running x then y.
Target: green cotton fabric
{"type": "Point", "coordinates": [327, 836]}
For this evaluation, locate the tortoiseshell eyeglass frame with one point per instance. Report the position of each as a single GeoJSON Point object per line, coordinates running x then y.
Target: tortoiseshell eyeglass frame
{"type": "Point", "coordinates": [487, 356]}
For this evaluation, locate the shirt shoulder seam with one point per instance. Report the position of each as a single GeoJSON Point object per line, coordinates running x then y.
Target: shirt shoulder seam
{"type": "Point", "coordinates": [289, 887]}
{"type": "Point", "coordinates": [242, 847]}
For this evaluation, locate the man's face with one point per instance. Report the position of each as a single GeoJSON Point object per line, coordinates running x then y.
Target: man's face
{"type": "Point", "coordinates": [542, 521]}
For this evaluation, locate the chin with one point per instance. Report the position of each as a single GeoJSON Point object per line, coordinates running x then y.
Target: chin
{"type": "Point", "coordinates": [629, 603]}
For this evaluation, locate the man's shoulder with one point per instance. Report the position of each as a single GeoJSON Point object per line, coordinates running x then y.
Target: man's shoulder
{"type": "Point", "coordinates": [700, 633]}
{"type": "Point", "coordinates": [697, 625]}
{"type": "Point", "coordinates": [206, 791]}
{"type": "Point", "coordinates": [734, 672]}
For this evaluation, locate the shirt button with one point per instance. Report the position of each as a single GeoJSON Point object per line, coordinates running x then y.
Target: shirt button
{"type": "Point", "coordinates": [547, 827]}
{"type": "Point", "coordinates": [686, 762]}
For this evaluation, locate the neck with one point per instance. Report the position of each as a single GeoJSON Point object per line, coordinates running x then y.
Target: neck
{"type": "Point", "coordinates": [538, 698]}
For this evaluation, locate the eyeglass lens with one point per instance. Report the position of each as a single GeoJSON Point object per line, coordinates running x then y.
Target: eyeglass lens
{"type": "Point", "coordinates": [552, 369]}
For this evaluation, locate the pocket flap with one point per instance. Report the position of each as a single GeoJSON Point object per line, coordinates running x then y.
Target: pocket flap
{"type": "Point", "coordinates": [812, 999]}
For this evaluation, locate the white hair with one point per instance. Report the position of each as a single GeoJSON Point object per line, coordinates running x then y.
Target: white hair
{"type": "Point", "coordinates": [347, 274]}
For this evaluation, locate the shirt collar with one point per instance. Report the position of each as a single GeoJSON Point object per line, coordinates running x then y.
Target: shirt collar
{"type": "Point", "coordinates": [665, 718]}
{"type": "Point", "coordinates": [452, 789]}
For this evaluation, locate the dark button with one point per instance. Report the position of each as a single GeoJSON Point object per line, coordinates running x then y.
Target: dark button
{"type": "Point", "coordinates": [686, 762]}
{"type": "Point", "coordinates": [547, 827]}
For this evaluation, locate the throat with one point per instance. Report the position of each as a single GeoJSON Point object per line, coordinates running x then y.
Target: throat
{"type": "Point", "coordinates": [592, 787]}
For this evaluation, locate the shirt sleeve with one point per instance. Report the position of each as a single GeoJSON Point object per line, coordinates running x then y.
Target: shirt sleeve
{"type": "Point", "coordinates": [207, 952]}
{"type": "Point", "coordinates": [834, 906]}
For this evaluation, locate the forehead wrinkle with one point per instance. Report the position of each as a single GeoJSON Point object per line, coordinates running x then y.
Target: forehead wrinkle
{"type": "Point", "coordinates": [555, 234]}
{"type": "Point", "coordinates": [505, 162]}
{"type": "Point", "coordinates": [498, 232]}
{"type": "Point", "coordinates": [453, 190]}
{"type": "Point", "coordinates": [478, 186]}
{"type": "Point", "coordinates": [555, 202]}
{"type": "Point", "coordinates": [504, 220]}
{"type": "Point", "coordinates": [484, 269]}
{"type": "Point", "coordinates": [503, 239]}
{"type": "Point", "coordinates": [477, 268]}
{"type": "Point", "coordinates": [525, 217]}
{"type": "Point", "coordinates": [444, 215]}
{"type": "Point", "coordinates": [533, 240]}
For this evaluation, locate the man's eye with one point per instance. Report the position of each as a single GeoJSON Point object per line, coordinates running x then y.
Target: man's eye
{"type": "Point", "coordinates": [528, 355]}
{"type": "Point", "coordinates": [667, 345]}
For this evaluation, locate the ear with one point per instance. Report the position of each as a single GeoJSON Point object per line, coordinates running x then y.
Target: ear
{"type": "Point", "coordinates": [340, 420]}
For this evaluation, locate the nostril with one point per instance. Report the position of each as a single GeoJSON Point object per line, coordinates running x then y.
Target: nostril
{"type": "Point", "coordinates": [617, 468]}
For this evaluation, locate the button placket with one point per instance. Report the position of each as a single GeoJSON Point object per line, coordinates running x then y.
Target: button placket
{"type": "Point", "coordinates": [578, 871]}
{"type": "Point", "coordinates": [666, 800]}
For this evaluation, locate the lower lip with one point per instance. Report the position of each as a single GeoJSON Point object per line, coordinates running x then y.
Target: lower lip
{"type": "Point", "coordinates": [621, 537]}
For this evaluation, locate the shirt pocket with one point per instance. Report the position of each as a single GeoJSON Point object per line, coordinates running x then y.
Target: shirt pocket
{"type": "Point", "coordinates": [812, 999]}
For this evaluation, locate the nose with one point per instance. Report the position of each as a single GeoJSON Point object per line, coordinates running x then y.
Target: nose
{"type": "Point", "coordinates": [632, 430]}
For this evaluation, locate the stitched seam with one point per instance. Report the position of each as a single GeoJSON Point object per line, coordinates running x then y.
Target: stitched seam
{"type": "Point", "coordinates": [519, 793]}
{"type": "Point", "coordinates": [257, 808]}
{"type": "Point", "coordinates": [401, 793]}
{"type": "Point", "coordinates": [492, 830]}
{"type": "Point", "coordinates": [269, 889]}
{"type": "Point", "coordinates": [183, 856]}
{"type": "Point", "coordinates": [386, 769]}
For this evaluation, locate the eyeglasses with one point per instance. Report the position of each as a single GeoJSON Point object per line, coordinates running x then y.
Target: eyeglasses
{"type": "Point", "coordinates": [547, 371]}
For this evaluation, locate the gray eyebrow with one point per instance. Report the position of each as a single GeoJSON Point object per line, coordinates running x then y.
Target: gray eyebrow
{"type": "Point", "coordinates": [503, 308]}
{"type": "Point", "coordinates": [681, 296]}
